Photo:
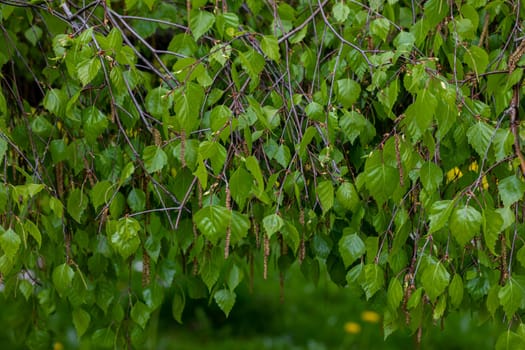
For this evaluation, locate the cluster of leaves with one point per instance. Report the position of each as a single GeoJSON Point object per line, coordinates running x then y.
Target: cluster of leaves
{"type": "Point", "coordinates": [151, 145]}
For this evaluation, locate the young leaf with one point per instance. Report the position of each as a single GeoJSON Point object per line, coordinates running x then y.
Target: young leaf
{"type": "Point", "coordinates": [125, 238]}
{"type": "Point", "coordinates": [77, 203]}
{"type": "Point", "coordinates": [465, 223]}
{"type": "Point", "coordinates": [213, 221]}
{"type": "Point", "coordinates": [225, 299]}
{"type": "Point", "coordinates": [88, 69]}
{"type": "Point", "coordinates": [270, 47]}
{"type": "Point", "coordinates": [10, 242]}
{"type": "Point", "coordinates": [347, 92]}
{"type": "Point", "coordinates": [200, 23]}
{"type": "Point", "coordinates": [154, 159]}
{"type": "Point", "coordinates": [431, 176]}
{"type": "Point", "coordinates": [81, 320]}
{"type": "Point", "coordinates": [394, 294]}
{"type": "Point", "coordinates": [272, 224]}
{"type": "Point", "coordinates": [347, 196]}
{"type": "Point", "coordinates": [511, 190]}
{"type": "Point", "coordinates": [512, 296]}
{"type": "Point", "coordinates": [340, 12]}
{"type": "Point", "coordinates": [435, 279]}
{"type": "Point", "coordinates": [374, 279]}
{"type": "Point", "coordinates": [140, 313]}
{"type": "Point", "coordinates": [178, 303]}
{"type": "Point", "coordinates": [351, 248]}
{"type": "Point", "coordinates": [62, 278]}
{"type": "Point", "coordinates": [439, 214]}
{"type": "Point", "coordinates": [325, 193]}
{"type": "Point", "coordinates": [455, 291]}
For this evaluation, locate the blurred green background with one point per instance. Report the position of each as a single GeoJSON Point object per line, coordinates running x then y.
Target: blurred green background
{"type": "Point", "coordinates": [313, 317]}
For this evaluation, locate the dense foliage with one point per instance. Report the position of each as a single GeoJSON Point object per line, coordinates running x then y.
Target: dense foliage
{"type": "Point", "coordinates": [167, 148]}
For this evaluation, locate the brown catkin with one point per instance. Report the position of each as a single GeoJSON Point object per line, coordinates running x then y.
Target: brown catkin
{"type": "Point", "coordinates": [398, 159]}
{"type": "Point", "coordinates": [156, 137]}
{"type": "Point", "coordinates": [195, 266]}
{"type": "Point", "coordinates": [59, 173]}
{"type": "Point", "coordinates": [266, 255]}
{"type": "Point", "coordinates": [145, 269]}
{"type": "Point", "coordinates": [256, 232]}
{"type": "Point", "coordinates": [229, 228]}
{"type": "Point", "coordinates": [199, 193]}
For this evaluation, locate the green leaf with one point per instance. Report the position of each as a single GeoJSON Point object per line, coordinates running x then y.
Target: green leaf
{"type": "Point", "coordinates": [380, 28]}
{"type": "Point", "coordinates": [3, 148]}
{"type": "Point", "coordinates": [493, 299]}
{"type": "Point", "coordinates": [103, 338]}
{"type": "Point", "coordinates": [521, 256]}
{"type": "Point", "coordinates": [200, 23]}
{"type": "Point", "coordinates": [465, 223]}
{"type": "Point", "coordinates": [125, 237]}
{"type": "Point", "coordinates": [137, 200]}
{"type": "Point", "coordinates": [62, 278]}
{"type": "Point", "coordinates": [235, 277]}
{"type": "Point", "coordinates": [511, 190]}
{"type": "Point", "coordinates": [480, 137]}
{"type": "Point", "coordinates": [210, 267]}
{"type": "Point", "coordinates": [178, 304]}
{"type": "Point", "coordinates": [382, 180]}
{"type": "Point", "coordinates": [354, 124]}
{"type": "Point", "coordinates": [225, 299]}
{"type": "Point", "coordinates": [492, 226]}
{"type": "Point", "coordinates": [81, 320]}
{"type": "Point", "coordinates": [94, 123]}
{"type": "Point", "coordinates": [127, 171]}
{"type": "Point", "coordinates": [10, 242]}
{"type": "Point", "coordinates": [509, 340]}
{"type": "Point", "coordinates": [240, 224]}
{"type": "Point", "coordinates": [270, 47]}
{"type": "Point", "coordinates": [435, 279]}
{"type": "Point", "coordinates": [512, 296]}
{"type": "Point", "coordinates": [140, 313]}
{"type": "Point", "coordinates": [213, 221]}
{"type": "Point", "coordinates": [26, 288]}
{"type": "Point", "coordinates": [374, 280]}
{"type": "Point", "coordinates": [325, 193]}
{"type": "Point", "coordinates": [439, 214]}
{"type": "Point", "coordinates": [88, 69]}
{"type": "Point", "coordinates": [347, 196]}
{"type": "Point", "coordinates": [33, 34]}
{"type": "Point", "coordinates": [340, 12]}
{"type": "Point", "coordinates": [215, 152]}
{"type": "Point", "coordinates": [431, 176]}
{"type": "Point", "coordinates": [455, 291]}
{"type": "Point", "coordinates": [347, 92]}
{"type": "Point", "coordinates": [154, 159]}
{"type": "Point", "coordinates": [241, 183]}
{"type": "Point", "coordinates": [394, 294]}
{"type": "Point", "coordinates": [219, 116]}
{"type": "Point", "coordinates": [252, 164]}
{"type": "Point", "coordinates": [77, 203]}
{"type": "Point", "coordinates": [476, 58]}
{"type": "Point", "coordinates": [351, 248]}
{"type": "Point", "coordinates": [33, 231]}
{"type": "Point", "coordinates": [272, 224]}
{"type": "Point", "coordinates": [158, 102]}
{"type": "Point", "coordinates": [101, 193]}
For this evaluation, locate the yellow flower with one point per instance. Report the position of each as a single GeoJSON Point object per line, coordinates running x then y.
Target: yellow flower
{"type": "Point", "coordinates": [454, 174]}
{"type": "Point", "coordinates": [370, 316]}
{"type": "Point", "coordinates": [473, 166]}
{"type": "Point", "coordinates": [352, 327]}
{"type": "Point", "coordinates": [58, 346]}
